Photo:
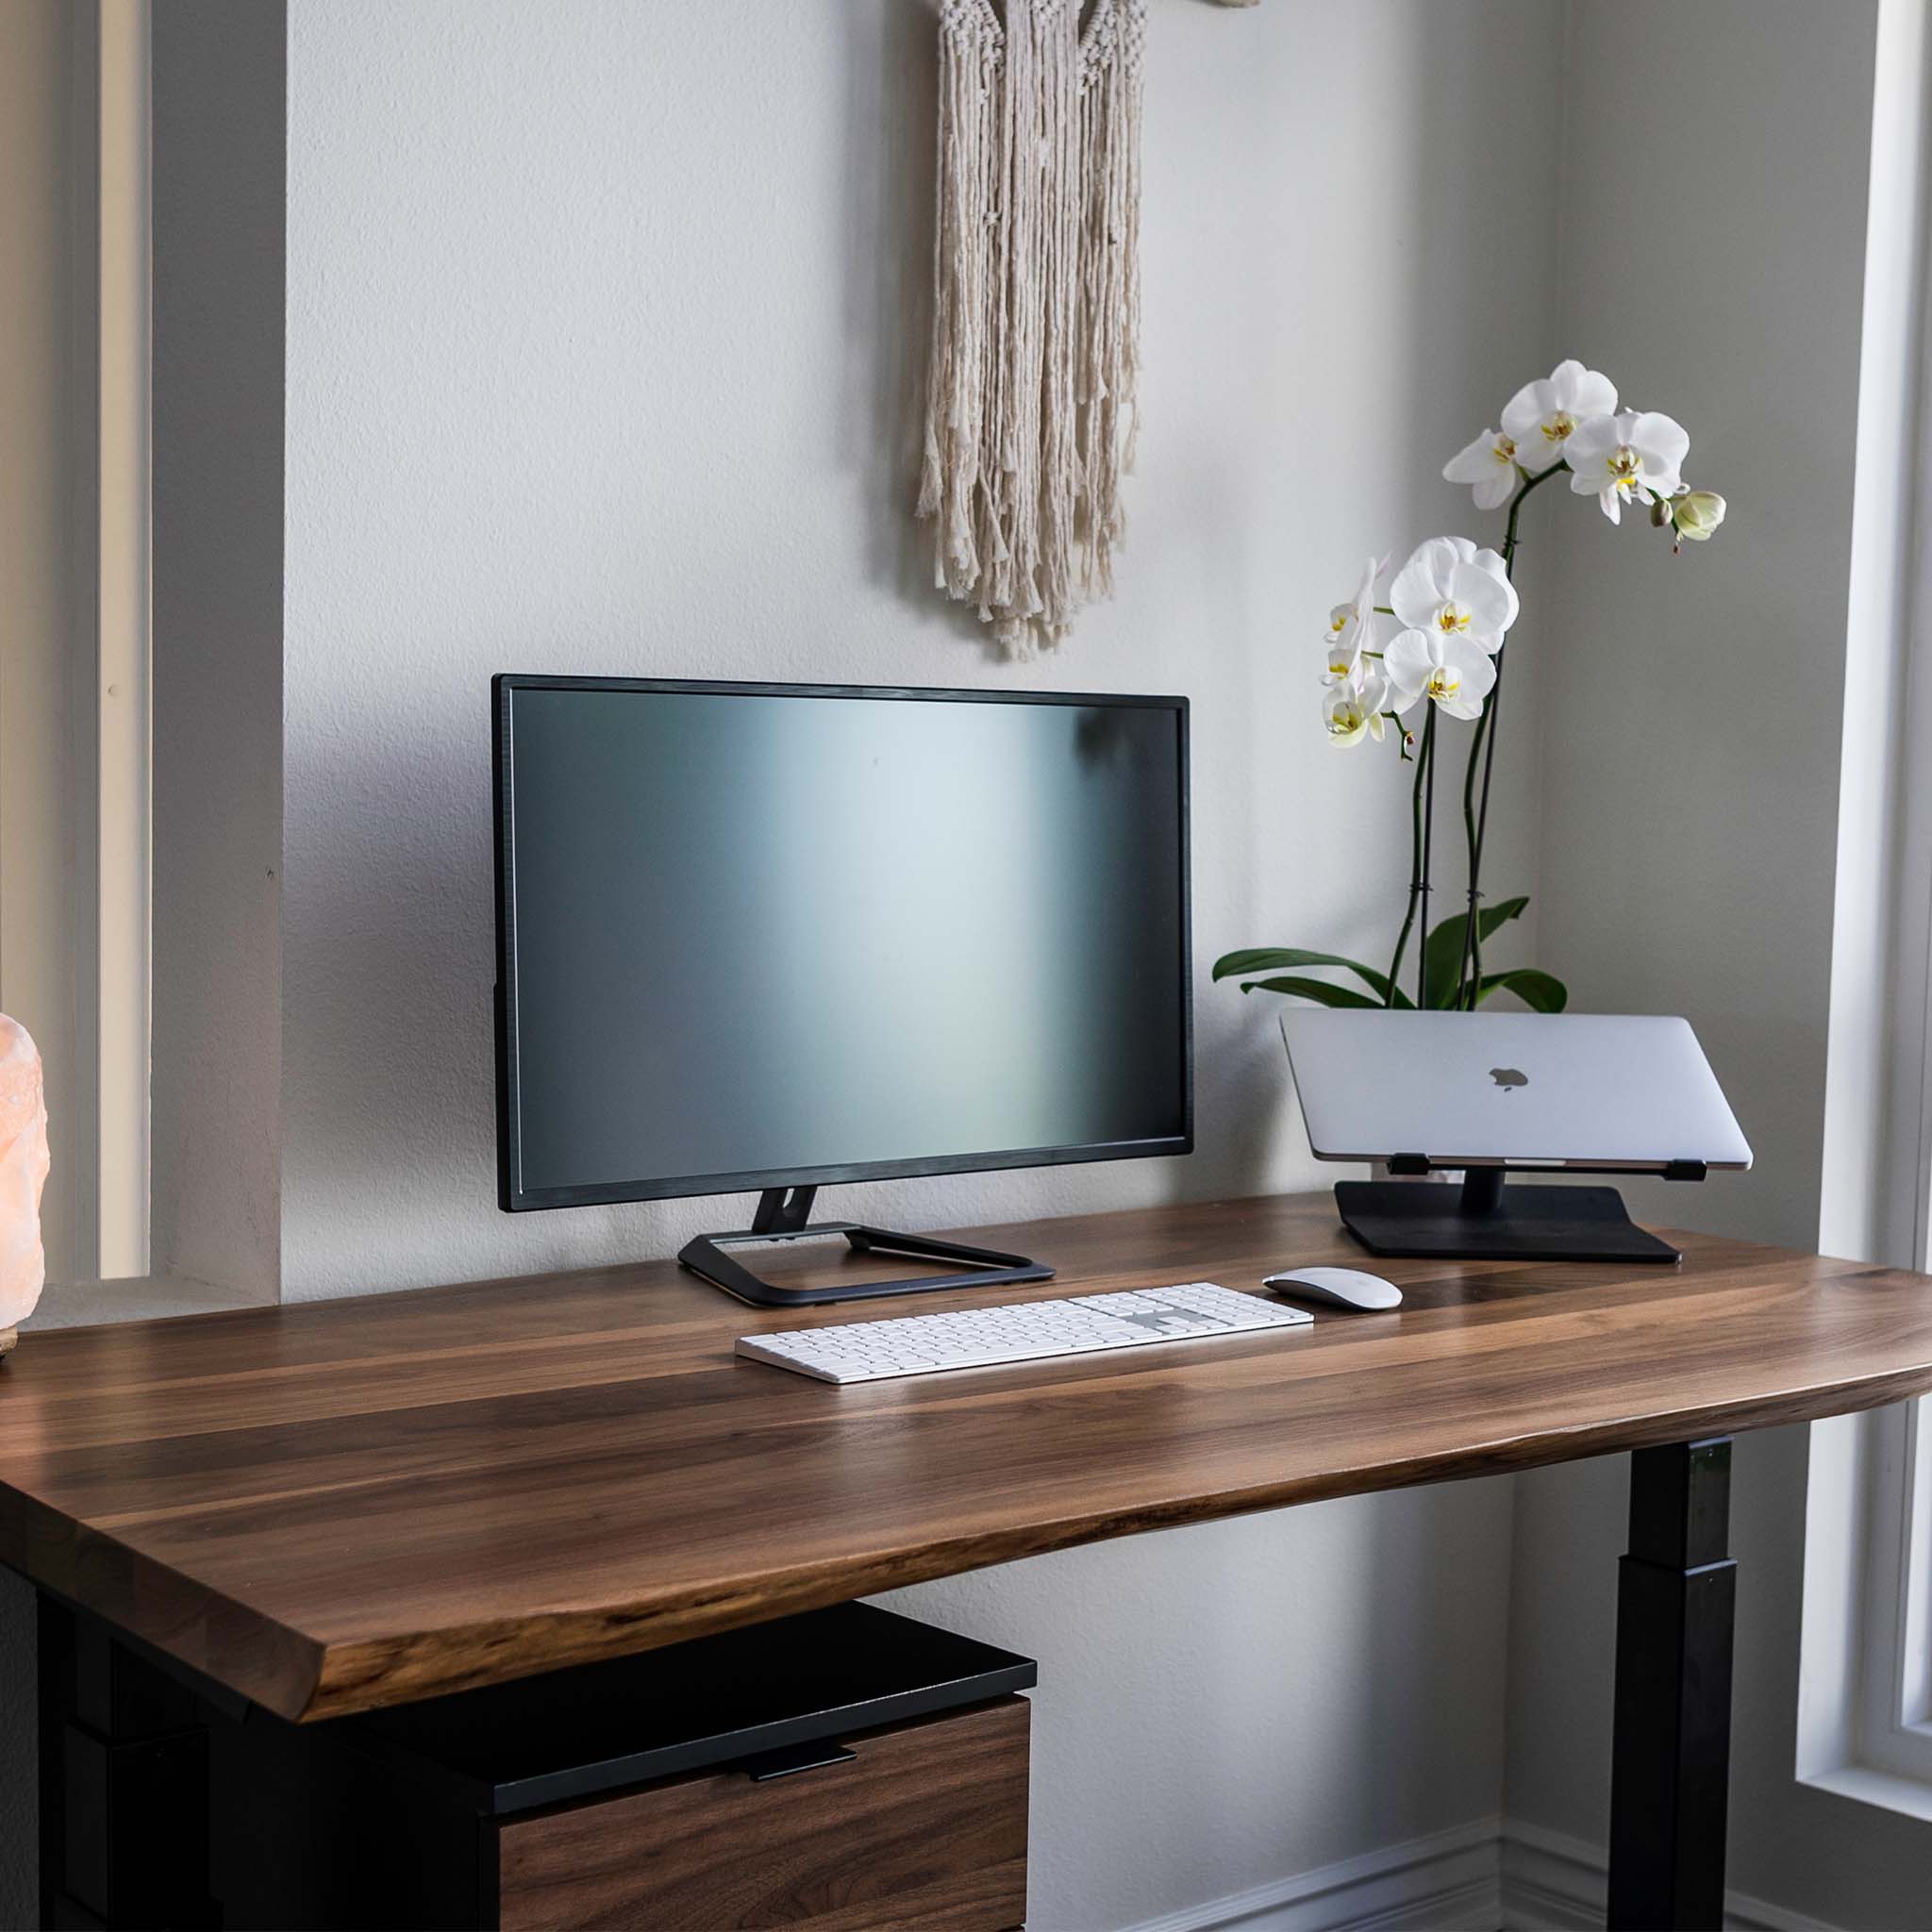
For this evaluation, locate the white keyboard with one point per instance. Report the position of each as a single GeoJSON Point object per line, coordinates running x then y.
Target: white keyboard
{"type": "Point", "coordinates": [1024, 1332]}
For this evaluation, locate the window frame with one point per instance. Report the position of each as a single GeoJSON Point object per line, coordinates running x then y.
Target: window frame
{"type": "Point", "coordinates": [1894, 1716]}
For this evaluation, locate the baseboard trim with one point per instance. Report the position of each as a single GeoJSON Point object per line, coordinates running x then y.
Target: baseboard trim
{"type": "Point", "coordinates": [1446, 1882]}
{"type": "Point", "coordinates": [1553, 1882]}
{"type": "Point", "coordinates": [1490, 1872]}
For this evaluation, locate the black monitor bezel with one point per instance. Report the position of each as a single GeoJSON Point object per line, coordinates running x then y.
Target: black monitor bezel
{"type": "Point", "coordinates": [515, 1199]}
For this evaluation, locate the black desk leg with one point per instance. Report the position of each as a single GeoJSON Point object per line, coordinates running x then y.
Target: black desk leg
{"type": "Point", "coordinates": [123, 1788]}
{"type": "Point", "coordinates": [1670, 1764]}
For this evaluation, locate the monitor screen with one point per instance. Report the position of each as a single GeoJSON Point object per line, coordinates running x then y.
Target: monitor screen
{"type": "Point", "coordinates": [755, 936]}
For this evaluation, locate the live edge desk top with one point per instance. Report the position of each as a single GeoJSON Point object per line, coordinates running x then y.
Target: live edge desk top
{"type": "Point", "coordinates": [337, 1506]}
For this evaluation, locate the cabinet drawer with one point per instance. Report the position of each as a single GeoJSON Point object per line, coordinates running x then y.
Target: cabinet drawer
{"type": "Point", "coordinates": [923, 1830]}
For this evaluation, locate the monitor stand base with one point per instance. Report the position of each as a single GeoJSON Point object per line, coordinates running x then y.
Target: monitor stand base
{"type": "Point", "coordinates": [782, 1216]}
{"type": "Point", "coordinates": [1485, 1221]}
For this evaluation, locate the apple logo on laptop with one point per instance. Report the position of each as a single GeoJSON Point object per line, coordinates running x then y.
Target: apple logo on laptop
{"type": "Point", "coordinates": [1506, 1077]}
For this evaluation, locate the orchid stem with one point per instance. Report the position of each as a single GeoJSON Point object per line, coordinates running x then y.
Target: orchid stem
{"type": "Point", "coordinates": [1423, 760]}
{"type": "Point", "coordinates": [1422, 957]}
{"type": "Point", "coordinates": [1482, 749]}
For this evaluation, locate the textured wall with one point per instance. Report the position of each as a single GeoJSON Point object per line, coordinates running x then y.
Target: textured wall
{"type": "Point", "coordinates": [605, 328]}
{"type": "Point", "coordinates": [604, 339]}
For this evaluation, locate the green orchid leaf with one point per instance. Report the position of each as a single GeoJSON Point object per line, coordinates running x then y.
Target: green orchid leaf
{"type": "Point", "coordinates": [1443, 951]}
{"type": "Point", "coordinates": [1317, 990]}
{"type": "Point", "coordinates": [1542, 992]}
{"type": "Point", "coordinates": [1266, 958]}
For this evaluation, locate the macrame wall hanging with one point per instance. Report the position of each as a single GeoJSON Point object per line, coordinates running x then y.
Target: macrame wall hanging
{"type": "Point", "coordinates": [1030, 407]}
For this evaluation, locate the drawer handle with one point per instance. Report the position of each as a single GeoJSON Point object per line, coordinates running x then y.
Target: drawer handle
{"type": "Point", "coordinates": [793, 1758]}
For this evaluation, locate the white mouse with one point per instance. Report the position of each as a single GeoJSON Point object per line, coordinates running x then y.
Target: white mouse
{"type": "Point", "coordinates": [1343, 1288]}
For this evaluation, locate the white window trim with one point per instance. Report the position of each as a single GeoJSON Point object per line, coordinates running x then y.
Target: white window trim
{"type": "Point", "coordinates": [1895, 1698]}
{"type": "Point", "coordinates": [1865, 1674]}
{"type": "Point", "coordinates": [122, 682]}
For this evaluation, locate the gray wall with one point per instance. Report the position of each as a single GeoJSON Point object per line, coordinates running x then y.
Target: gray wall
{"type": "Point", "coordinates": [219, 74]}
{"type": "Point", "coordinates": [1691, 712]}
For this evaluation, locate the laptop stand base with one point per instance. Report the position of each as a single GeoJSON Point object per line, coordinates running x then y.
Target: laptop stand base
{"type": "Point", "coordinates": [1531, 1223]}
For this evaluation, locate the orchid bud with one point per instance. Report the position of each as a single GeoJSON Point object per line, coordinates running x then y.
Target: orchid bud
{"type": "Point", "coordinates": [1696, 514]}
{"type": "Point", "coordinates": [1659, 512]}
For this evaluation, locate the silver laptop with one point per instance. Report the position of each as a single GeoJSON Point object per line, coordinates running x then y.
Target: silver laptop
{"type": "Point", "coordinates": [1535, 1089]}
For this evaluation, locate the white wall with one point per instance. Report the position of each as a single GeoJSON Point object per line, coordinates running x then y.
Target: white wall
{"type": "Point", "coordinates": [1691, 724]}
{"type": "Point", "coordinates": [605, 337]}
{"type": "Point", "coordinates": [605, 326]}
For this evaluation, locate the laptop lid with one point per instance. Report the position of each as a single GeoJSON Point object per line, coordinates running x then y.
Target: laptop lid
{"type": "Point", "coordinates": [1555, 1089]}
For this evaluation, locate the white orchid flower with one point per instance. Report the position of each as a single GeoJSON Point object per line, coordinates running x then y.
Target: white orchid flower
{"type": "Point", "coordinates": [1447, 667]}
{"type": "Point", "coordinates": [1489, 464]}
{"type": "Point", "coordinates": [1356, 708]}
{"type": "Point", "coordinates": [1542, 416]}
{"type": "Point", "coordinates": [1351, 626]}
{"type": "Point", "coordinates": [1637, 456]}
{"type": "Point", "coordinates": [1449, 587]}
{"type": "Point", "coordinates": [1694, 514]}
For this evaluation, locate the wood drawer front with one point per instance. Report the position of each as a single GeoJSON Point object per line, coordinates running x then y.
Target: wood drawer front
{"type": "Point", "coordinates": [924, 1831]}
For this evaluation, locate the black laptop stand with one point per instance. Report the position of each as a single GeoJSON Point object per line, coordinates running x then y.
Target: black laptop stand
{"type": "Point", "coordinates": [1486, 1219]}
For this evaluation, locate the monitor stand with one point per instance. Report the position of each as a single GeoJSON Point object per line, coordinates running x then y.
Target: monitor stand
{"type": "Point", "coordinates": [1485, 1221]}
{"type": "Point", "coordinates": [782, 1216]}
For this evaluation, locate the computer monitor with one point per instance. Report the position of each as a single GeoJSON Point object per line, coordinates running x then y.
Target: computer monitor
{"type": "Point", "coordinates": [769, 936]}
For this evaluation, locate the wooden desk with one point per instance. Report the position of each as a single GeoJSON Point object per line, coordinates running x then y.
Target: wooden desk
{"type": "Point", "coordinates": [334, 1507]}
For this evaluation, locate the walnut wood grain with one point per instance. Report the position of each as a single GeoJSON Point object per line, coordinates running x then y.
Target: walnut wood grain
{"type": "Point", "coordinates": [339, 1505]}
{"type": "Point", "coordinates": [923, 1831]}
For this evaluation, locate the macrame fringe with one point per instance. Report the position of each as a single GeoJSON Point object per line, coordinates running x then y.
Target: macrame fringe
{"type": "Point", "coordinates": [1031, 421]}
